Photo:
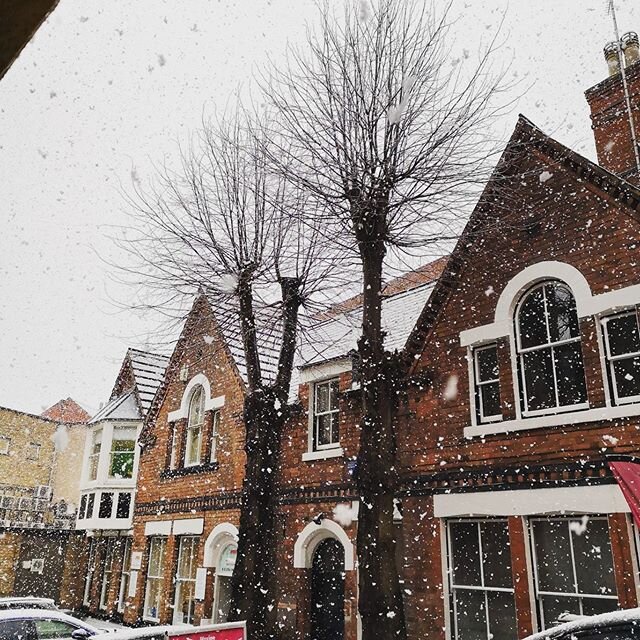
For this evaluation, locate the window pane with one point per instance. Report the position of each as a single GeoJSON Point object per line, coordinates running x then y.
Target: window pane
{"type": "Point", "coordinates": [502, 616]}
{"type": "Point", "coordinates": [553, 555]}
{"type": "Point", "coordinates": [83, 506]}
{"type": "Point", "coordinates": [594, 563]}
{"type": "Point", "coordinates": [627, 373]}
{"type": "Point", "coordinates": [622, 334]}
{"type": "Point", "coordinates": [471, 620]}
{"type": "Point", "coordinates": [554, 606]}
{"type": "Point", "coordinates": [322, 398]}
{"type": "Point", "coordinates": [466, 553]}
{"type": "Point", "coordinates": [333, 400]}
{"type": "Point", "coordinates": [561, 310]}
{"type": "Point", "coordinates": [594, 606]}
{"type": "Point", "coordinates": [496, 554]}
{"type": "Point", "coordinates": [124, 505]}
{"type": "Point", "coordinates": [106, 505]}
{"type": "Point", "coordinates": [570, 374]}
{"type": "Point", "coordinates": [90, 503]}
{"type": "Point", "coordinates": [531, 320]}
{"type": "Point", "coordinates": [487, 363]}
{"type": "Point", "coordinates": [193, 445]}
{"type": "Point", "coordinates": [323, 423]}
{"type": "Point", "coordinates": [490, 399]}
{"type": "Point", "coordinates": [53, 629]}
{"type": "Point", "coordinates": [538, 379]}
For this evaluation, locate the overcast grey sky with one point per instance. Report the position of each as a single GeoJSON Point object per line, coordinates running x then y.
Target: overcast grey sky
{"type": "Point", "coordinates": [106, 88]}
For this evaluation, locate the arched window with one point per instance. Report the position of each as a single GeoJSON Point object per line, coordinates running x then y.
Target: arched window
{"type": "Point", "coordinates": [549, 353]}
{"type": "Point", "coordinates": [195, 422]}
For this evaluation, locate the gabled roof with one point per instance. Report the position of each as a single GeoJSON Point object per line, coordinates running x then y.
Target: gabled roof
{"type": "Point", "coordinates": [67, 411]}
{"type": "Point", "coordinates": [140, 375]}
{"type": "Point", "coordinates": [124, 407]}
{"type": "Point", "coordinates": [526, 136]}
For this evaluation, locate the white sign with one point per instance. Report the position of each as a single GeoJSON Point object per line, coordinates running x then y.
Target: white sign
{"type": "Point", "coordinates": [136, 559]}
{"type": "Point", "coordinates": [133, 582]}
{"type": "Point", "coordinates": [201, 583]}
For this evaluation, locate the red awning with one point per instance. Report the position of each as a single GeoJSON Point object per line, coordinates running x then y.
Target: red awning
{"type": "Point", "coordinates": [628, 476]}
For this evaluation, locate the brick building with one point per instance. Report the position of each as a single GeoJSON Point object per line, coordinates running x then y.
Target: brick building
{"type": "Point", "coordinates": [189, 479]}
{"type": "Point", "coordinates": [38, 501]}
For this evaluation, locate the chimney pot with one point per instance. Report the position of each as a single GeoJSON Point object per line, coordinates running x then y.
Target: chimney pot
{"type": "Point", "coordinates": [611, 56]}
{"type": "Point", "coordinates": [631, 48]}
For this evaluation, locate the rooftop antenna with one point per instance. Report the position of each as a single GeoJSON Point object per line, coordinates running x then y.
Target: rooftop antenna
{"type": "Point", "coordinates": [618, 43]}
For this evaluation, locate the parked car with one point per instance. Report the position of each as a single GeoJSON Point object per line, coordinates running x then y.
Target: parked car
{"type": "Point", "coordinates": [43, 624]}
{"type": "Point", "coordinates": [26, 603]}
{"type": "Point", "coordinates": [617, 625]}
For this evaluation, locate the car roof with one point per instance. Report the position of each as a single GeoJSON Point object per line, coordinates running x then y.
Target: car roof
{"type": "Point", "coordinates": [47, 614]}
{"type": "Point", "coordinates": [589, 622]}
{"type": "Point", "coordinates": [10, 600]}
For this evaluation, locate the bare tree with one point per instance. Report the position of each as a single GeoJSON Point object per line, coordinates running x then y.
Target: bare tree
{"type": "Point", "coordinates": [389, 137]}
{"type": "Point", "coordinates": [226, 224]}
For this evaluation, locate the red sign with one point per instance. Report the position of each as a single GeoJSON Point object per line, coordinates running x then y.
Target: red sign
{"type": "Point", "coordinates": [233, 631]}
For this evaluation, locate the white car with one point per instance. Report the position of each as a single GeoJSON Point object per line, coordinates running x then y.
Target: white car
{"type": "Point", "coordinates": [43, 624]}
{"type": "Point", "coordinates": [26, 603]}
{"type": "Point", "coordinates": [617, 625]}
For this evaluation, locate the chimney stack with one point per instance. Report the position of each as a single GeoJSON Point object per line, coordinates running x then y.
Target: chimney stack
{"type": "Point", "coordinates": [609, 114]}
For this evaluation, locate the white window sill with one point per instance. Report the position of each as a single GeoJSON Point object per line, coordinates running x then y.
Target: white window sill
{"type": "Point", "coordinates": [323, 454]}
{"type": "Point", "coordinates": [555, 420]}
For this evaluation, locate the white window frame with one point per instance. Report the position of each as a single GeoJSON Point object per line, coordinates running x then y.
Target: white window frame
{"type": "Point", "coordinates": [610, 359]}
{"type": "Point", "coordinates": [115, 439]}
{"type": "Point", "coordinates": [334, 444]}
{"type": "Point", "coordinates": [522, 351]}
{"type": "Point", "coordinates": [6, 441]}
{"type": "Point", "coordinates": [173, 457]}
{"type": "Point", "coordinates": [125, 575]}
{"type": "Point", "coordinates": [93, 459]}
{"type": "Point", "coordinates": [452, 587]}
{"type": "Point", "coordinates": [160, 541]}
{"type": "Point", "coordinates": [191, 427]}
{"type": "Point", "coordinates": [215, 435]}
{"type": "Point", "coordinates": [186, 544]}
{"type": "Point", "coordinates": [478, 384]}
{"type": "Point", "coordinates": [537, 593]}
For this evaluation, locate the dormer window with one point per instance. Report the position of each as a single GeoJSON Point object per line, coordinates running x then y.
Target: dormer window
{"type": "Point", "coordinates": [549, 353]}
{"type": "Point", "coordinates": [195, 422]}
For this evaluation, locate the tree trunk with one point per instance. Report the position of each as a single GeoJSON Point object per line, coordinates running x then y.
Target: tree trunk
{"type": "Point", "coordinates": [253, 585]}
{"type": "Point", "coordinates": [380, 596]}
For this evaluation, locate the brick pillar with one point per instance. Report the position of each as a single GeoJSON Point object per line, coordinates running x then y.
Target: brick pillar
{"type": "Point", "coordinates": [623, 565]}
{"type": "Point", "coordinates": [592, 363]}
{"type": "Point", "coordinates": [520, 571]}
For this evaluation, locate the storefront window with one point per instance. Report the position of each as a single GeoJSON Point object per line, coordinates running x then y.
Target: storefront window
{"type": "Point", "coordinates": [573, 567]}
{"type": "Point", "coordinates": [480, 582]}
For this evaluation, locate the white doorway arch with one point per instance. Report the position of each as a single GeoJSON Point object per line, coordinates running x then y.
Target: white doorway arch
{"type": "Point", "coordinates": [312, 535]}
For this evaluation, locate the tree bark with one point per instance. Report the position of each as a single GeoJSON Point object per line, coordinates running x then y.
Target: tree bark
{"type": "Point", "coordinates": [380, 597]}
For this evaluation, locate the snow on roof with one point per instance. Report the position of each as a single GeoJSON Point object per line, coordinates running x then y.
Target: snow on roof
{"type": "Point", "coordinates": [124, 407]}
{"type": "Point", "coordinates": [148, 372]}
{"type": "Point", "coordinates": [590, 622]}
{"type": "Point", "coordinates": [336, 337]}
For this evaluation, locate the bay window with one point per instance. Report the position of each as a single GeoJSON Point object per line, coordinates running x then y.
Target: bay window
{"type": "Point", "coordinates": [94, 454]}
{"type": "Point", "coordinates": [549, 352]}
{"type": "Point", "coordinates": [622, 347]}
{"type": "Point", "coordinates": [480, 583]}
{"type": "Point", "coordinates": [123, 445]}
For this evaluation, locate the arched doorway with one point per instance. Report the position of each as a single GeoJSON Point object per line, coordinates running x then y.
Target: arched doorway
{"type": "Point", "coordinates": [327, 591]}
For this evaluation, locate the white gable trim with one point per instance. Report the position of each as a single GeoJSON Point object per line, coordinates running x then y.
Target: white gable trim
{"type": "Point", "coordinates": [209, 403]}
{"type": "Point", "coordinates": [605, 498]}
{"type": "Point", "coordinates": [221, 535]}
{"type": "Point", "coordinates": [312, 535]}
{"type": "Point", "coordinates": [587, 304]}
